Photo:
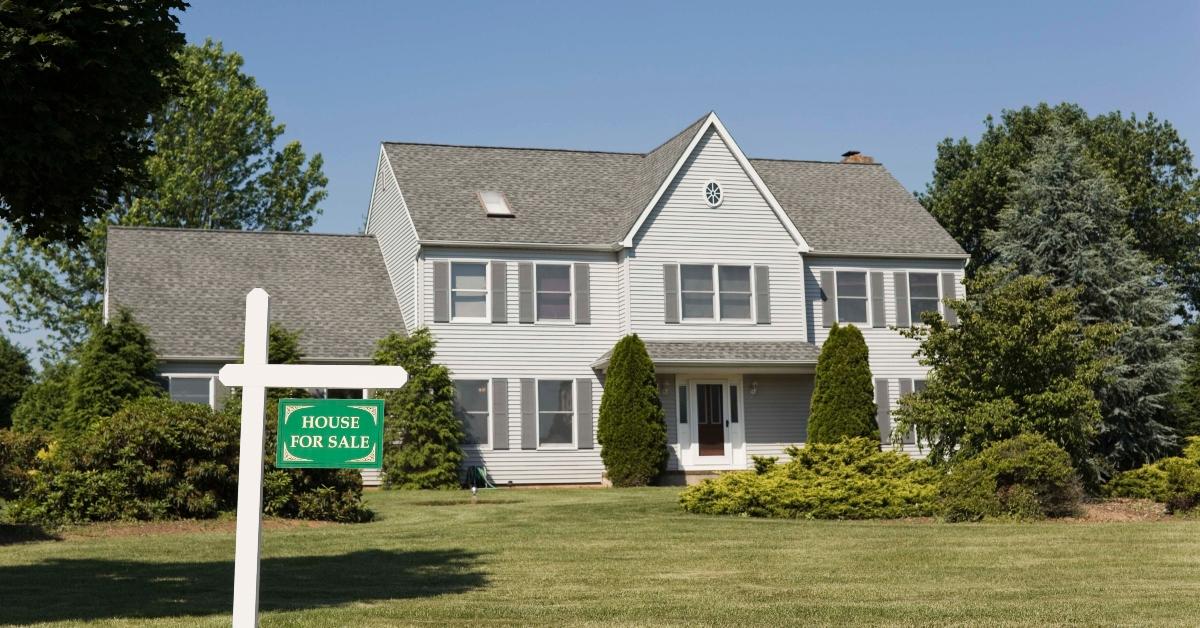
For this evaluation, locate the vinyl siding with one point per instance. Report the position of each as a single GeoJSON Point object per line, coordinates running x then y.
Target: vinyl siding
{"type": "Point", "coordinates": [514, 351]}
{"type": "Point", "coordinates": [388, 220]}
{"type": "Point", "coordinates": [777, 415]}
{"type": "Point", "coordinates": [743, 230]}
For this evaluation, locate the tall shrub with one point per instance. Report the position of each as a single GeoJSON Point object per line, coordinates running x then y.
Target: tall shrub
{"type": "Point", "coordinates": [1187, 397]}
{"type": "Point", "coordinates": [632, 429]}
{"type": "Point", "coordinates": [43, 405]}
{"type": "Point", "coordinates": [843, 402]}
{"type": "Point", "coordinates": [15, 376]}
{"type": "Point", "coordinates": [423, 436]}
{"type": "Point", "coordinates": [117, 364]}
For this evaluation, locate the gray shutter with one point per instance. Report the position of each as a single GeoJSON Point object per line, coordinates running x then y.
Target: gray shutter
{"type": "Point", "coordinates": [583, 294]}
{"type": "Point", "coordinates": [948, 291]}
{"type": "Point", "coordinates": [670, 293]}
{"type": "Point", "coordinates": [499, 414]}
{"type": "Point", "coordinates": [906, 388]}
{"type": "Point", "coordinates": [583, 411]}
{"type": "Point", "coordinates": [441, 292]}
{"type": "Point", "coordinates": [829, 294]}
{"type": "Point", "coordinates": [878, 317]}
{"type": "Point", "coordinates": [901, 280]}
{"type": "Point", "coordinates": [528, 414]}
{"type": "Point", "coordinates": [762, 294]}
{"type": "Point", "coordinates": [499, 292]}
{"type": "Point", "coordinates": [525, 292]}
{"type": "Point", "coordinates": [882, 410]}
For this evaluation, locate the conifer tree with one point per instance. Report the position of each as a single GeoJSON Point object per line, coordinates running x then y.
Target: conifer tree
{"type": "Point", "coordinates": [1065, 221]}
{"type": "Point", "coordinates": [423, 436]}
{"type": "Point", "coordinates": [117, 364]}
{"type": "Point", "coordinates": [843, 401]}
{"type": "Point", "coordinates": [632, 429]}
{"type": "Point", "coordinates": [1187, 400]}
{"type": "Point", "coordinates": [16, 375]}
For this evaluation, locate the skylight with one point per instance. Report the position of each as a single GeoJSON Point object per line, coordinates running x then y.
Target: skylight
{"type": "Point", "coordinates": [495, 203]}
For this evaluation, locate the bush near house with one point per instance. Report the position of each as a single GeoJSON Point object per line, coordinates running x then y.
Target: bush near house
{"type": "Point", "coordinates": [632, 429]}
{"type": "Point", "coordinates": [850, 479]}
{"type": "Point", "coordinates": [1026, 477]}
{"type": "Point", "coordinates": [116, 364]}
{"type": "Point", "coordinates": [843, 402]}
{"type": "Point", "coordinates": [18, 457]}
{"type": "Point", "coordinates": [1173, 481]}
{"type": "Point", "coordinates": [44, 402]}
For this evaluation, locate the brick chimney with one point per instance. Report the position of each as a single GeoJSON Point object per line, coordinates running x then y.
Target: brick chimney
{"type": "Point", "coordinates": [855, 157]}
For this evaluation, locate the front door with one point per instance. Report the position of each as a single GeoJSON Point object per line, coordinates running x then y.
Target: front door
{"type": "Point", "coordinates": [710, 419]}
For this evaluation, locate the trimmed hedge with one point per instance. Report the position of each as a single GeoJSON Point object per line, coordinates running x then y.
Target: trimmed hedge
{"type": "Point", "coordinates": [1172, 481]}
{"type": "Point", "coordinates": [851, 479]}
{"type": "Point", "coordinates": [843, 401]}
{"type": "Point", "coordinates": [632, 429]}
{"type": "Point", "coordinates": [1025, 477]}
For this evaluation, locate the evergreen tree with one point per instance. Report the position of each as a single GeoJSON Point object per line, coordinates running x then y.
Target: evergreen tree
{"type": "Point", "coordinates": [843, 401]}
{"type": "Point", "coordinates": [44, 403]}
{"type": "Point", "coordinates": [420, 417]}
{"type": "Point", "coordinates": [632, 429]}
{"type": "Point", "coordinates": [1019, 361]}
{"type": "Point", "coordinates": [15, 377]}
{"type": "Point", "coordinates": [1065, 221]}
{"type": "Point", "coordinates": [117, 364]}
{"type": "Point", "coordinates": [1187, 399]}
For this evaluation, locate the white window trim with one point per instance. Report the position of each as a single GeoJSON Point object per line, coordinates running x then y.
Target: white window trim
{"type": "Point", "coordinates": [937, 280]}
{"type": "Point", "coordinates": [212, 384]}
{"type": "Point", "coordinates": [837, 310]}
{"type": "Point", "coordinates": [570, 320]}
{"type": "Point", "coordinates": [490, 425]}
{"type": "Point", "coordinates": [487, 292]}
{"type": "Point", "coordinates": [720, 190]}
{"type": "Point", "coordinates": [537, 411]}
{"type": "Point", "coordinates": [716, 279]}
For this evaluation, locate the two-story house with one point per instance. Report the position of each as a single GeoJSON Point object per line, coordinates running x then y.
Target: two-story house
{"type": "Point", "coordinates": [529, 264]}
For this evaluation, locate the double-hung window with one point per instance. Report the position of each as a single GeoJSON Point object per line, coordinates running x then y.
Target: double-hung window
{"type": "Point", "coordinates": [556, 412]}
{"type": "Point", "coordinates": [709, 292]}
{"type": "Point", "coordinates": [922, 294]}
{"type": "Point", "coordinates": [471, 407]}
{"type": "Point", "coordinates": [468, 291]}
{"type": "Point", "coordinates": [851, 297]}
{"type": "Point", "coordinates": [191, 389]}
{"type": "Point", "coordinates": [553, 292]}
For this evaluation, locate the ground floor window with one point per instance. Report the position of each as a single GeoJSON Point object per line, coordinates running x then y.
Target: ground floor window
{"type": "Point", "coordinates": [556, 412]}
{"type": "Point", "coordinates": [191, 389]}
{"type": "Point", "coordinates": [471, 407]}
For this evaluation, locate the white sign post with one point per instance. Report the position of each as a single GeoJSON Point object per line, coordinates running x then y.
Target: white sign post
{"type": "Point", "coordinates": [254, 376]}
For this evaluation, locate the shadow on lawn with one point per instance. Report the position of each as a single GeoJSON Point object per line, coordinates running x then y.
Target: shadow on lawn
{"type": "Point", "coordinates": [85, 589]}
{"type": "Point", "coordinates": [17, 534]}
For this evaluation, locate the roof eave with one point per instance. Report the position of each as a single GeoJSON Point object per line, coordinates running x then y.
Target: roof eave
{"type": "Point", "coordinates": [607, 248]}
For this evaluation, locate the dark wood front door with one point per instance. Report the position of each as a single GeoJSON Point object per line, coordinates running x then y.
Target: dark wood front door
{"type": "Point", "coordinates": [710, 418]}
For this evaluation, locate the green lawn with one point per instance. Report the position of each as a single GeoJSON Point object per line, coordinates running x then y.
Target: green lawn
{"type": "Point", "coordinates": [579, 556]}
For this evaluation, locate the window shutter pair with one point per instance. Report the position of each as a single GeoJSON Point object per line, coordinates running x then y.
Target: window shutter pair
{"type": "Point", "coordinates": [903, 318]}
{"type": "Point", "coordinates": [583, 413]}
{"type": "Point", "coordinates": [762, 293]}
{"type": "Point", "coordinates": [829, 299]}
{"type": "Point", "coordinates": [526, 293]}
{"type": "Point", "coordinates": [498, 291]}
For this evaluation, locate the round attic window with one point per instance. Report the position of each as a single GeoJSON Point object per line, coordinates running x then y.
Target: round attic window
{"type": "Point", "coordinates": [712, 193]}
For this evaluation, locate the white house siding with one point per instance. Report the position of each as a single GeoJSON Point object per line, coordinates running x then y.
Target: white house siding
{"type": "Point", "coordinates": [389, 222]}
{"type": "Point", "coordinates": [777, 415]}
{"type": "Point", "coordinates": [891, 355]}
{"type": "Point", "coordinates": [514, 351]}
{"type": "Point", "coordinates": [743, 230]}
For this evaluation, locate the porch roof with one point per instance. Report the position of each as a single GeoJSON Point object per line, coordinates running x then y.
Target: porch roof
{"type": "Point", "coordinates": [701, 353]}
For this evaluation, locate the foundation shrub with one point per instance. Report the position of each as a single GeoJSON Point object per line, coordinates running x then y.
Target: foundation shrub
{"type": "Point", "coordinates": [1026, 477]}
{"type": "Point", "coordinates": [1172, 481]}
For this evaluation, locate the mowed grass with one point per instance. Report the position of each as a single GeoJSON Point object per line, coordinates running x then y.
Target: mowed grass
{"type": "Point", "coordinates": [584, 556]}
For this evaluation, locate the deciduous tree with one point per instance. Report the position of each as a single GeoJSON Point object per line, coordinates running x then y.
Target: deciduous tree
{"type": "Point", "coordinates": [15, 377]}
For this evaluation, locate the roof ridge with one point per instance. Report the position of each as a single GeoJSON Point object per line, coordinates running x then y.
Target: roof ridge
{"type": "Point", "coordinates": [246, 231]}
{"type": "Point", "coordinates": [544, 149]}
{"type": "Point", "coordinates": [814, 161]}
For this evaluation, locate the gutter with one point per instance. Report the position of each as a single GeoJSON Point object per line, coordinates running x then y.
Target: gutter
{"type": "Point", "coordinates": [958, 256]}
{"type": "Point", "coordinates": [606, 248]}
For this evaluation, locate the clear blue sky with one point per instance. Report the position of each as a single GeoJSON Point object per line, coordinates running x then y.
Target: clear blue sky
{"type": "Point", "coordinates": [789, 80]}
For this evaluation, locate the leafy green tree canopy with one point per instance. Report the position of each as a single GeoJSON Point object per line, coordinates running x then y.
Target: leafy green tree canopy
{"type": "Point", "coordinates": [116, 365]}
{"type": "Point", "coordinates": [843, 401]}
{"type": "Point", "coordinates": [77, 82]}
{"type": "Point", "coordinates": [215, 166]}
{"type": "Point", "coordinates": [1146, 160]}
{"type": "Point", "coordinates": [1019, 361]}
{"type": "Point", "coordinates": [632, 429]}
{"type": "Point", "coordinates": [420, 417]}
{"type": "Point", "coordinates": [16, 375]}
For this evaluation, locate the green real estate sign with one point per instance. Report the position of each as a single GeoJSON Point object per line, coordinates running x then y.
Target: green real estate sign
{"type": "Point", "coordinates": [330, 434]}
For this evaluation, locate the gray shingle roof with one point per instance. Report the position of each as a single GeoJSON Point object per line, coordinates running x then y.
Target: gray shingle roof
{"type": "Point", "coordinates": [188, 287]}
{"type": "Point", "coordinates": [592, 198]}
{"type": "Point", "coordinates": [741, 352]}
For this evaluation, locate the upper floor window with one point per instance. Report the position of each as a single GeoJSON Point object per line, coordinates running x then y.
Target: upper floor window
{"type": "Point", "coordinates": [851, 297]}
{"type": "Point", "coordinates": [468, 291]}
{"type": "Point", "coordinates": [471, 407]}
{"type": "Point", "coordinates": [191, 389]}
{"type": "Point", "coordinates": [922, 294]}
{"type": "Point", "coordinates": [556, 412]}
{"type": "Point", "coordinates": [713, 291]}
{"type": "Point", "coordinates": [553, 292]}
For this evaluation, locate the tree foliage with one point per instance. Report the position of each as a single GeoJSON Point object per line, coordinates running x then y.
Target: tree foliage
{"type": "Point", "coordinates": [116, 365]}
{"type": "Point", "coordinates": [1146, 160]}
{"type": "Point", "coordinates": [632, 429]}
{"type": "Point", "coordinates": [16, 375]}
{"type": "Point", "coordinates": [215, 166]}
{"type": "Point", "coordinates": [1064, 220]}
{"type": "Point", "coordinates": [77, 82]}
{"type": "Point", "coordinates": [1187, 400]}
{"type": "Point", "coordinates": [423, 436]}
{"type": "Point", "coordinates": [1019, 361]}
{"type": "Point", "coordinates": [843, 401]}
{"type": "Point", "coordinates": [44, 403]}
